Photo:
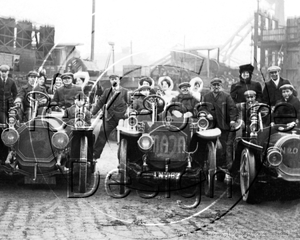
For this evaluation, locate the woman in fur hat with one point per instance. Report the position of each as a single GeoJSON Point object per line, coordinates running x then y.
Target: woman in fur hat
{"type": "Point", "coordinates": [196, 88]}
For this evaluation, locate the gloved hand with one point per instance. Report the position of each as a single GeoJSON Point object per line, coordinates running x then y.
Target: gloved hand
{"type": "Point", "coordinates": [187, 115]}
{"type": "Point", "coordinates": [177, 114]}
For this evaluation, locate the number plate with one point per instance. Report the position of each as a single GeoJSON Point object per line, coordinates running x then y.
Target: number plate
{"type": "Point", "coordinates": [167, 175]}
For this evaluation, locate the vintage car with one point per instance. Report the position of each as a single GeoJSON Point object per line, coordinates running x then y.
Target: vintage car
{"type": "Point", "coordinates": [47, 146]}
{"type": "Point", "coordinates": [159, 153]}
{"type": "Point", "coordinates": [268, 150]}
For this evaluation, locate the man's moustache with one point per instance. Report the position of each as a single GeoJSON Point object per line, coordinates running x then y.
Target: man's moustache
{"type": "Point", "coordinates": [114, 84]}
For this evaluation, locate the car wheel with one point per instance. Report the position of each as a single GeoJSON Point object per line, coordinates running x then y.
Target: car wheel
{"type": "Point", "coordinates": [247, 176]}
{"type": "Point", "coordinates": [210, 170]}
{"type": "Point", "coordinates": [83, 165]}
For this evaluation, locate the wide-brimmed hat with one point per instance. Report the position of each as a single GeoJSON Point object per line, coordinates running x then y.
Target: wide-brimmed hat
{"type": "Point", "coordinates": [197, 80]}
{"type": "Point", "coordinates": [168, 79]}
{"type": "Point", "coordinates": [146, 79]}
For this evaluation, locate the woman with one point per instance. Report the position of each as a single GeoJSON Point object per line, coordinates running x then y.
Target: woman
{"type": "Point", "coordinates": [166, 86]}
{"type": "Point", "coordinates": [56, 83]}
{"type": "Point", "coordinates": [41, 82]}
{"type": "Point", "coordinates": [196, 88]}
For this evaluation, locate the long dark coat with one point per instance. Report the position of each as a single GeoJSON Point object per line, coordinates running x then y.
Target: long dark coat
{"type": "Point", "coordinates": [8, 93]}
{"type": "Point", "coordinates": [118, 107]}
{"type": "Point", "coordinates": [64, 96]}
{"type": "Point", "coordinates": [222, 108]}
{"type": "Point", "coordinates": [238, 89]}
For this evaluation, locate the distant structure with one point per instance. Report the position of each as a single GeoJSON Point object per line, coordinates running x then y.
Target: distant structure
{"type": "Point", "coordinates": [24, 46]}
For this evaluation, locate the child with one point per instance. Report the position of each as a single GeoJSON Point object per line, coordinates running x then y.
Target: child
{"type": "Point", "coordinates": [287, 109]}
{"type": "Point", "coordinates": [77, 108]}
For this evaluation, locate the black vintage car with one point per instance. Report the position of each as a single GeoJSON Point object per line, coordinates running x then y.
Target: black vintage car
{"type": "Point", "coordinates": [47, 146]}
{"type": "Point", "coordinates": [268, 150]}
{"type": "Point", "coordinates": [156, 147]}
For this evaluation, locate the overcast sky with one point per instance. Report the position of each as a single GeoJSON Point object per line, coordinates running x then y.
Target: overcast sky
{"type": "Point", "coordinates": [149, 25]}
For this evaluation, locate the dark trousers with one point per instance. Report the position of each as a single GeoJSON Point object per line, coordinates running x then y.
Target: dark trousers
{"type": "Point", "coordinates": [106, 128]}
{"type": "Point", "coordinates": [226, 155]}
{"type": "Point", "coordinates": [3, 148]}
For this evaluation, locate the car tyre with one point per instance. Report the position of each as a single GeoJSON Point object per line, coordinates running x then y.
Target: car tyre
{"type": "Point", "coordinates": [247, 176]}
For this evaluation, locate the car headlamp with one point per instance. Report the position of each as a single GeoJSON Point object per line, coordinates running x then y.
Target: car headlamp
{"type": "Point", "coordinates": [145, 142]}
{"type": "Point", "coordinates": [10, 136]}
{"type": "Point", "coordinates": [274, 156]}
{"type": "Point", "coordinates": [60, 140]}
{"type": "Point", "coordinates": [203, 123]}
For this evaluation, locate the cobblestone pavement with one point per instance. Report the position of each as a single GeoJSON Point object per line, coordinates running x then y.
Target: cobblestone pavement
{"type": "Point", "coordinates": [45, 212]}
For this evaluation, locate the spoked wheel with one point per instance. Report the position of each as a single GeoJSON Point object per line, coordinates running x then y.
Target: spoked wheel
{"type": "Point", "coordinates": [247, 176]}
{"type": "Point", "coordinates": [210, 170]}
{"type": "Point", "coordinates": [83, 165]}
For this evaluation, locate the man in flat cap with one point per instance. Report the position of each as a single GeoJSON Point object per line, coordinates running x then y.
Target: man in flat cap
{"type": "Point", "coordinates": [287, 109]}
{"type": "Point", "coordinates": [184, 103]}
{"type": "Point", "coordinates": [8, 93]}
{"type": "Point", "coordinates": [272, 92]}
{"type": "Point", "coordinates": [237, 89]}
{"type": "Point", "coordinates": [64, 96]}
{"type": "Point", "coordinates": [21, 100]}
{"type": "Point", "coordinates": [224, 111]}
{"type": "Point", "coordinates": [120, 99]}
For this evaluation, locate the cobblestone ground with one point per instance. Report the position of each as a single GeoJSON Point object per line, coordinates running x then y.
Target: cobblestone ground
{"type": "Point", "coordinates": [45, 212]}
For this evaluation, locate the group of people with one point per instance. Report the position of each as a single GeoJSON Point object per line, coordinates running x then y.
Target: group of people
{"type": "Point", "coordinates": [65, 94]}
{"type": "Point", "coordinates": [224, 107]}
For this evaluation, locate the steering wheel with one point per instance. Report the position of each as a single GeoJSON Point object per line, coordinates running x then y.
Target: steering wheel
{"type": "Point", "coordinates": [157, 100]}
{"type": "Point", "coordinates": [38, 96]}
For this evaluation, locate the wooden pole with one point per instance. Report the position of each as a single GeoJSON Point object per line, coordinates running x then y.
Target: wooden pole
{"type": "Point", "coordinates": [93, 31]}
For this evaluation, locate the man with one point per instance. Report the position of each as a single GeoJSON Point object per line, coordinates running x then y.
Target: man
{"type": "Point", "coordinates": [223, 110]}
{"type": "Point", "coordinates": [64, 96]}
{"type": "Point", "coordinates": [21, 100]}
{"type": "Point", "coordinates": [272, 92]}
{"type": "Point", "coordinates": [8, 93]}
{"type": "Point", "coordinates": [186, 101]}
{"type": "Point", "coordinates": [237, 89]}
{"type": "Point", "coordinates": [287, 109]}
{"type": "Point", "coordinates": [115, 112]}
